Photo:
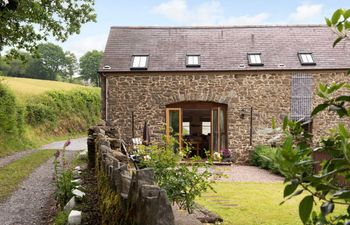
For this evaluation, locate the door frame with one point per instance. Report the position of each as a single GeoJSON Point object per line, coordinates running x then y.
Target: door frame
{"type": "Point", "coordinates": [180, 106]}
{"type": "Point", "coordinates": [168, 124]}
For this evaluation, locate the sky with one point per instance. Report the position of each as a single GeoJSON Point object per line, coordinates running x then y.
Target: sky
{"type": "Point", "coordinates": [196, 13]}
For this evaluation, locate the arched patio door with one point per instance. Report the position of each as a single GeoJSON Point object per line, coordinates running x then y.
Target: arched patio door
{"type": "Point", "coordinates": [201, 124]}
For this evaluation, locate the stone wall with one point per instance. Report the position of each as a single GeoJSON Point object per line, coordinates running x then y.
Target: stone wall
{"type": "Point", "coordinates": [126, 196]}
{"type": "Point", "coordinates": [147, 94]}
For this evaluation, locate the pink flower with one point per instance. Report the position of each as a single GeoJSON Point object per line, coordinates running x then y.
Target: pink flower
{"type": "Point", "coordinates": [67, 143]}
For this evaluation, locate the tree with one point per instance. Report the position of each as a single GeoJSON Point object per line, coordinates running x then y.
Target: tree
{"type": "Point", "coordinates": [24, 24]}
{"type": "Point", "coordinates": [89, 64]}
{"type": "Point", "coordinates": [330, 186]}
{"type": "Point", "coordinates": [71, 66]}
{"type": "Point", "coordinates": [50, 64]}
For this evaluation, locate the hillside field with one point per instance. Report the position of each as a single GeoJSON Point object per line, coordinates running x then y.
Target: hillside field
{"type": "Point", "coordinates": [34, 112]}
{"type": "Point", "coordinates": [25, 87]}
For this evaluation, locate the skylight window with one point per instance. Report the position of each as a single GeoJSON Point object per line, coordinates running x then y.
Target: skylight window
{"type": "Point", "coordinates": [139, 62]}
{"type": "Point", "coordinates": [306, 59]}
{"type": "Point", "coordinates": [192, 61]}
{"type": "Point", "coordinates": [254, 59]}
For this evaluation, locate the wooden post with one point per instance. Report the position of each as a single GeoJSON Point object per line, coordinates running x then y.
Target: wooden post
{"type": "Point", "coordinates": [251, 127]}
{"type": "Point", "coordinates": [132, 124]}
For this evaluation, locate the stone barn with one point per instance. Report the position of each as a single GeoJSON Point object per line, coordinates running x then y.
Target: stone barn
{"type": "Point", "coordinates": [218, 87]}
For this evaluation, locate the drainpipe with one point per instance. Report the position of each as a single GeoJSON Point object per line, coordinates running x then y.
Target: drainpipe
{"type": "Point", "coordinates": [106, 97]}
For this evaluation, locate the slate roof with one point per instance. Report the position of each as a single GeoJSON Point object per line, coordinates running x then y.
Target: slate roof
{"type": "Point", "coordinates": [224, 48]}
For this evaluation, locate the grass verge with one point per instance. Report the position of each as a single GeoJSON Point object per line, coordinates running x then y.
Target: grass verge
{"type": "Point", "coordinates": [14, 173]}
{"type": "Point", "coordinates": [252, 203]}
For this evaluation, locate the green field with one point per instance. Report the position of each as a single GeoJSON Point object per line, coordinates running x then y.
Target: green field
{"type": "Point", "coordinates": [25, 87]}
{"type": "Point", "coordinates": [241, 203]}
{"type": "Point", "coordinates": [34, 112]}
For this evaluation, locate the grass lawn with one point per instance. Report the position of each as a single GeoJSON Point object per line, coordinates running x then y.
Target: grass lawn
{"type": "Point", "coordinates": [252, 203]}
{"type": "Point", "coordinates": [14, 173]}
{"type": "Point", "coordinates": [25, 87]}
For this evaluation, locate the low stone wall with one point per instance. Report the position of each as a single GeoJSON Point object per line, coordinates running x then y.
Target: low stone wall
{"type": "Point", "coordinates": [128, 196]}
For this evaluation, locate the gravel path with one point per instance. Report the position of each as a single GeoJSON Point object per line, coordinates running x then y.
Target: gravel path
{"type": "Point", "coordinates": [75, 145]}
{"type": "Point", "coordinates": [8, 159]}
{"type": "Point", "coordinates": [238, 173]}
{"type": "Point", "coordinates": [27, 204]}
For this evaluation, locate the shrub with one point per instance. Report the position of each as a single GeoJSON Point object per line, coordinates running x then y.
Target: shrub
{"type": "Point", "coordinates": [182, 183]}
{"type": "Point", "coordinates": [11, 114]}
{"type": "Point", "coordinates": [263, 157]}
{"type": "Point", "coordinates": [64, 112]}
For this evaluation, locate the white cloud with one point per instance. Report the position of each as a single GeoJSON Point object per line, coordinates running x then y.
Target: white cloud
{"type": "Point", "coordinates": [82, 45]}
{"type": "Point", "coordinates": [306, 13]}
{"type": "Point", "coordinates": [247, 20]}
{"type": "Point", "coordinates": [174, 9]}
{"type": "Point", "coordinates": [209, 12]}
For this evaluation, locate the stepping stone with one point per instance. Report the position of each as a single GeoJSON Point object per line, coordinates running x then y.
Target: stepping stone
{"type": "Point", "coordinates": [78, 193]}
{"type": "Point", "coordinates": [74, 217]}
{"type": "Point", "coordinates": [77, 181]}
{"type": "Point", "coordinates": [70, 205]}
{"type": "Point", "coordinates": [77, 168]}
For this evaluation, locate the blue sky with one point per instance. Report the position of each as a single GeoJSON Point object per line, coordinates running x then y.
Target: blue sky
{"type": "Point", "coordinates": [196, 13]}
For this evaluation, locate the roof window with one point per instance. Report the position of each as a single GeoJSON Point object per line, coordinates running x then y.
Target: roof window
{"type": "Point", "coordinates": [254, 59]}
{"type": "Point", "coordinates": [139, 62]}
{"type": "Point", "coordinates": [306, 59]}
{"type": "Point", "coordinates": [192, 61]}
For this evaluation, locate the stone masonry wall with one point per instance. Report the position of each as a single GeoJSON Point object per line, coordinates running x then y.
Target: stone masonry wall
{"type": "Point", "coordinates": [147, 94]}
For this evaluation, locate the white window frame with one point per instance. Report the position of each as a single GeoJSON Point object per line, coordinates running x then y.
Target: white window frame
{"type": "Point", "coordinates": [306, 58]}
{"type": "Point", "coordinates": [139, 62]}
{"type": "Point", "coordinates": [193, 60]}
{"type": "Point", "coordinates": [254, 59]}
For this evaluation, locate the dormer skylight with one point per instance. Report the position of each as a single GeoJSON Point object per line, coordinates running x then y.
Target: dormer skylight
{"type": "Point", "coordinates": [254, 59]}
{"type": "Point", "coordinates": [192, 60]}
{"type": "Point", "coordinates": [139, 62]}
{"type": "Point", "coordinates": [306, 58]}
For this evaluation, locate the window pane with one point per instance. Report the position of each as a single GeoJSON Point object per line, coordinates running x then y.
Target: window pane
{"type": "Point", "coordinates": [190, 60]}
{"type": "Point", "coordinates": [252, 59]}
{"type": "Point", "coordinates": [257, 59]}
{"type": "Point", "coordinates": [206, 128]}
{"type": "Point", "coordinates": [195, 60]}
{"type": "Point", "coordinates": [143, 61]}
{"type": "Point", "coordinates": [309, 58]}
{"type": "Point", "coordinates": [304, 58]}
{"type": "Point", "coordinates": [136, 61]}
{"type": "Point", "coordinates": [186, 128]}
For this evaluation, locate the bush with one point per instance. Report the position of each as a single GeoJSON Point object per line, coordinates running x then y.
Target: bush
{"type": "Point", "coordinates": [182, 183]}
{"type": "Point", "coordinates": [11, 114]}
{"type": "Point", "coordinates": [262, 157]}
{"type": "Point", "coordinates": [64, 112]}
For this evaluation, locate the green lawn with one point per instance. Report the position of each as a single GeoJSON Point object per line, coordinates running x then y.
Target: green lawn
{"type": "Point", "coordinates": [252, 203]}
{"type": "Point", "coordinates": [14, 173]}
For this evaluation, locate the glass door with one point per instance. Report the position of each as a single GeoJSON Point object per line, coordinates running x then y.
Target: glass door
{"type": "Point", "coordinates": [218, 129]}
{"type": "Point", "coordinates": [174, 126]}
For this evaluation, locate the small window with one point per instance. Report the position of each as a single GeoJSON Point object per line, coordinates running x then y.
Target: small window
{"type": "Point", "coordinates": [306, 59]}
{"type": "Point", "coordinates": [192, 61]}
{"type": "Point", "coordinates": [254, 59]}
{"type": "Point", "coordinates": [139, 62]}
{"type": "Point", "coordinates": [205, 128]}
{"type": "Point", "coordinates": [186, 128]}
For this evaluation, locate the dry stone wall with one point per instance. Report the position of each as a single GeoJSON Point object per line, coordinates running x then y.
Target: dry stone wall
{"type": "Point", "coordinates": [137, 200]}
{"type": "Point", "coordinates": [147, 94]}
